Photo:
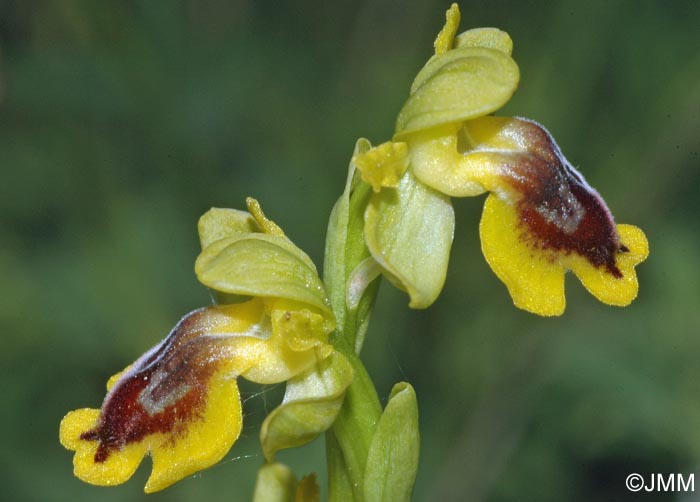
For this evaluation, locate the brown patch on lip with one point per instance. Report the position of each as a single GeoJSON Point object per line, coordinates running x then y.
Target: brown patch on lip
{"type": "Point", "coordinates": [558, 209]}
{"type": "Point", "coordinates": [164, 391]}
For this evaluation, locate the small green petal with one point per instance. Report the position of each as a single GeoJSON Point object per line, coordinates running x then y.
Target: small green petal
{"type": "Point", "coordinates": [268, 226]}
{"type": "Point", "coordinates": [392, 462]}
{"type": "Point", "coordinates": [275, 483]}
{"type": "Point", "coordinates": [311, 403]}
{"type": "Point", "coordinates": [445, 39]}
{"type": "Point", "coordinates": [261, 265]}
{"type": "Point", "coordinates": [409, 232]}
{"type": "Point", "coordinates": [459, 85]}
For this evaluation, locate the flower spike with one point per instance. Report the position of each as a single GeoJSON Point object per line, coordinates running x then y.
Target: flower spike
{"type": "Point", "coordinates": [180, 403]}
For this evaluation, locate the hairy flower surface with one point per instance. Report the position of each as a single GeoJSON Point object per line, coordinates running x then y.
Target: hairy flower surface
{"type": "Point", "coordinates": [179, 401]}
{"type": "Point", "coordinates": [541, 217]}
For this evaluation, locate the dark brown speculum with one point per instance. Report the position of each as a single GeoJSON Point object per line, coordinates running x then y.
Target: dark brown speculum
{"type": "Point", "coordinates": [558, 210]}
{"type": "Point", "coordinates": [164, 390]}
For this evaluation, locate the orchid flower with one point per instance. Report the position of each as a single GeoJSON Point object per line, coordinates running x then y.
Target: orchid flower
{"type": "Point", "coordinates": [180, 401]}
{"type": "Point", "coordinates": [541, 217]}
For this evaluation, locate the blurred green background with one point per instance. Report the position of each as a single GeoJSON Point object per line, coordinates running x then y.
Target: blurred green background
{"type": "Point", "coordinates": [122, 122]}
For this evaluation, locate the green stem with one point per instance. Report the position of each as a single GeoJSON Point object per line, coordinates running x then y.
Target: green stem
{"type": "Point", "coordinates": [355, 425]}
{"type": "Point", "coordinates": [339, 484]}
{"type": "Point", "coordinates": [348, 442]}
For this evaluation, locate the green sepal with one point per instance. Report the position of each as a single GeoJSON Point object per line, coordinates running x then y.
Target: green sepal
{"type": "Point", "coordinates": [392, 462]}
{"type": "Point", "coordinates": [409, 232]}
{"type": "Point", "coordinates": [218, 223]}
{"type": "Point", "coordinates": [261, 265]}
{"type": "Point", "coordinates": [311, 403]}
{"type": "Point", "coordinates": [461, 84]}
{"type": "Point", "coordinates": [488, 38]}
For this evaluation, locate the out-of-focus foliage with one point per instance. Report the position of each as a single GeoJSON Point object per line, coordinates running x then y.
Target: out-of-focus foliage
{"type": "Point", "coordinates": [122, 122]}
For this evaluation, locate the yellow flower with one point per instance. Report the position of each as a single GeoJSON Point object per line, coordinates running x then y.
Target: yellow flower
{"type": "Point", "coordinates": [180, 401]}
{"type": "Point", "coordinates": [541, 217]}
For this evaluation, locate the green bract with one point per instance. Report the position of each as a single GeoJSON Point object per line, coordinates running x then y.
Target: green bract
{"type": "Point", "coordinates": [346, 251]}
{"type": "Point", "coordinates": [393, 455]}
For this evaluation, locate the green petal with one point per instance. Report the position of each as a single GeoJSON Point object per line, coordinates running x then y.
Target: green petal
{"type": "Point", "coordinates": [459, 85]}
{"type": "Point", "coordinates": [311, 402]}
{"type": "Point", "coordinates": [393, 455]}
{"type": "Point", "coordinates": [409, 232]}
{"type": "Point", "coordinates": [445, 39]}
{"type": "Point", "coordinates": [261, 265]}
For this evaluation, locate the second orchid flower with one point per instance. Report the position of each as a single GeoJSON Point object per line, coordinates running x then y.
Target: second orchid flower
{"type": "Point", "coordinates": [541, 217]}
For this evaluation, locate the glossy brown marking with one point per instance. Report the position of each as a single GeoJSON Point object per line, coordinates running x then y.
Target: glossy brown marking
{"type": "Point", "coordinates": [560, 211]}
{"type": "Point", "coordinates": [164, 391]}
